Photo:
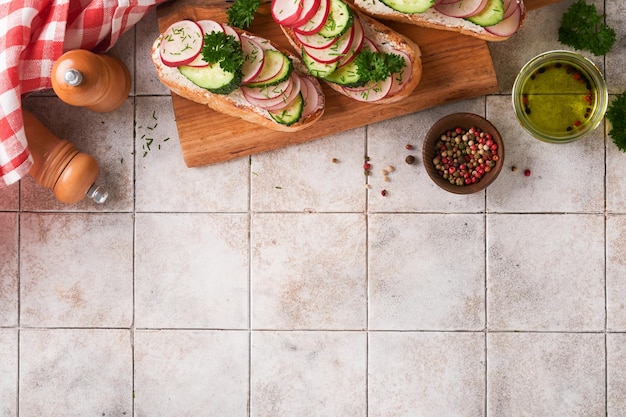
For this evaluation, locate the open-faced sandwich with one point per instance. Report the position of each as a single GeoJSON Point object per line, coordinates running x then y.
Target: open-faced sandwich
{"type": "Point", "coordinates": [237, 73]}
{"type": "Point", "coordinates": [355, 55]}
{"type": "Point", "coordinates": [490, 20]}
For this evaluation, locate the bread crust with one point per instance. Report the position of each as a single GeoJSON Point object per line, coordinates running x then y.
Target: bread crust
{"type": "Point", "coordinates": [234, 104]}
{"type": "Point", "coordinates": [388, 40]}
{"type": "Point", "coordinates": [433, 19]}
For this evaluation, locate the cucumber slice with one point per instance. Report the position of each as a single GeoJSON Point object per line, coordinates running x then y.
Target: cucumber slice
{"type": "Point", "coordinates": [212, 77]}
{"type": "Point", "coordinates": [410, 6]}
{"type": "Point", "coordinates": [318, 69]}
{"type": "Point", "coordinates": [492, 14]}
{"type": "Point", "coordinates": [338, 21]}
{"type": "Point", "coordinates": [291, 114]}
{"type": "Point", "coordinates": [276, 65]}
{"type": "Point", "coordinates": [347, 76]}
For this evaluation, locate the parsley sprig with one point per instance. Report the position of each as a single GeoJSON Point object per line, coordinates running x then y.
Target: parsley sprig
{"type": "Point", "coordinates": [377, 66]}
{"type": "Point", "coordinates": [584, 29]}
{"type": "Point", "coordinates": [241, 13]}
{"type": "Point", "coordinates": [224, 49]}
{"type": "Point", "coordinates": [616, 114]}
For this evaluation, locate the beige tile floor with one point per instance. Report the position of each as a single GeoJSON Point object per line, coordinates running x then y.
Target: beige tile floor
{"type": "Point", "coordinates": [277, 285]}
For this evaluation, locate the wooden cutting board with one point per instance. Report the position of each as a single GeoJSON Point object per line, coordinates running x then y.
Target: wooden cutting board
{"type": "Point", "coordinates": [208, 137]}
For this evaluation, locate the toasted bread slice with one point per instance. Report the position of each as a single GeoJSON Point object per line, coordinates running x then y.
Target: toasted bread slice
{"type": "Point", "coordinates": [433, 19]}
{"type": "Point", "coordinates": [385, 40]}
{"type": "Point", "coordinates": [235, 103]}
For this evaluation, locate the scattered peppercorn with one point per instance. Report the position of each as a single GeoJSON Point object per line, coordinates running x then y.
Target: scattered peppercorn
{"type": "Point", "coordinates": [409, 159]}
{"type": "Point", "coordinates": [513, 168]}
{"type": "Point", "coordinates": [409, 147]}
{"type": "Point", "coordinates": [367, 166]}
{"type": "Point", "coordinates": [335, 160]}
{"type": "Point", "coordinates": [527, 172]}
{"type": "Point", "coordinates": [390, 168]}
{"type": "Point", "coordinates": [383, 193]}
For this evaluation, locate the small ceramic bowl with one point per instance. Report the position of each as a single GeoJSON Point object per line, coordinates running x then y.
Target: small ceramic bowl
{"type": "Point", "coordinates": [465, 121]}
{"type": "Point", "coordinates": [559, 96]}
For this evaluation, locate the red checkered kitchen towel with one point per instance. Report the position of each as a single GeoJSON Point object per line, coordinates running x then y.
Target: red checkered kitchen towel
{"type": "Point", "coordinates": [33, 35]}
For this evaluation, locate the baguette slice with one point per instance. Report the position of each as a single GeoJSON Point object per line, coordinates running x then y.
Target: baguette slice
{"type": "Point", "coordinates": [386, 40]}
{"type": "Point", "coordinates": [235, 104]}
{"type": "Point", "coordinates": [433, 19]}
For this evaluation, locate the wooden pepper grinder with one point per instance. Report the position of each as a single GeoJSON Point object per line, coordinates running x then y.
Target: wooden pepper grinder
{"type": "Point", "coordinates": [58, 166]}
{"type": "Point", "coordinates": [98, 82]}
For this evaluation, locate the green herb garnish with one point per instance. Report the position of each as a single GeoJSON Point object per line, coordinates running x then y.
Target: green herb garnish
{"type": "Point", "coordinates": [224, 49]}
{"type": "Point", "coordinates": [241, 13]}
{"type": "Point", "coordinates": [616, 114]}
{"type": "Point", "coordinates": [584, 29]}
{"type": "Point", "coordinates": [377, 66]}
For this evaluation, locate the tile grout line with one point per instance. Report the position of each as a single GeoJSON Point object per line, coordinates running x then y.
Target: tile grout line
{"type": "Point", "coordinates": [249, 216]}
{"type": "Point", "coordinates": [486, 387]}
{"type": "Point", "coordinates": [134, 227]}
{"type": "Point", "coordinates": [367, 280]}
{"type": "Point", "coordinates": [19, 297]}
{"type": "Point", "coordinates": [605, 218]}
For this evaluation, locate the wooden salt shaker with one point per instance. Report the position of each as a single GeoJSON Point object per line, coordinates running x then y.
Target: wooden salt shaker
{"type": "Point", "coordinates": [98, 82]}
{"type": "Point", "coordinates": [58, 166]}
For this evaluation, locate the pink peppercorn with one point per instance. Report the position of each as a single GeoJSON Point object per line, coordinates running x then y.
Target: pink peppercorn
{"type": "Point", "coordinates": [527, 172]}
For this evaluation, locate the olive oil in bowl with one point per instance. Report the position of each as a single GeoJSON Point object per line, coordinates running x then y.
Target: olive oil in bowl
{"type": "Point", "coordinates": [559, 96]}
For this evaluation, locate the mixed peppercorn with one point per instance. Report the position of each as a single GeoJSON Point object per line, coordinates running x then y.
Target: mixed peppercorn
{"type": "Point", "coordinates": [463, 157]}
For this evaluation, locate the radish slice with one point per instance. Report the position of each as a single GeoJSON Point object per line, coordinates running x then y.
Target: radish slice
{"type": "Point", "coordinates": [199, 62]}
{"type": "Point", "coordinates": [314, 41]}
{"type": "Point", "coordinates": [181, 43]}
{"type": "Point", "coordinates": [508, 26]}
{"type": "Point", "coordinates": [309, 95]}
{"type": "Point", "coordinates": [209, 26]}
{"type": "Point", "coordinates": [509, 8]}
{"type": "Point", "coordinates": [264, 43]}
{"type": "Point", "coordinates": [276, 101]}
{"type": "Point", "coordinates": [335, 52]}
{"type": "Point", "coordinates": [463, 8]}
{"type": "Point", "coordinates": [267, 93]}
{"type": "Point", "coordinates": [368, 45]}
{"type": "Point", "coordinates": [230, 31]}
{"type": "Point", "coordinates": [252, 59]}
{"type": "Point", "coordinates": [317, 22]}
{"type": "Point", "coordinates": [355, 45]}
{"type": "Point", "coordinates": [309, 8]}
{"type": "Point", "coordinates": [371, 92]}
{"type": "Point", "coordinates": [286, 12]}
{"type": "Point", "coordinates": [400, 79]}
{"type": "Point", "coordinates": [287, 99]}
{"type": "Point", "coordinates": [446, 1]}
{"type": "Point", "coordinates": [269, 70]}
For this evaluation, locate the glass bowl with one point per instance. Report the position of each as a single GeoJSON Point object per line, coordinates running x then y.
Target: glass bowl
{"type": "Point", "coordinates": [559, 96]}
